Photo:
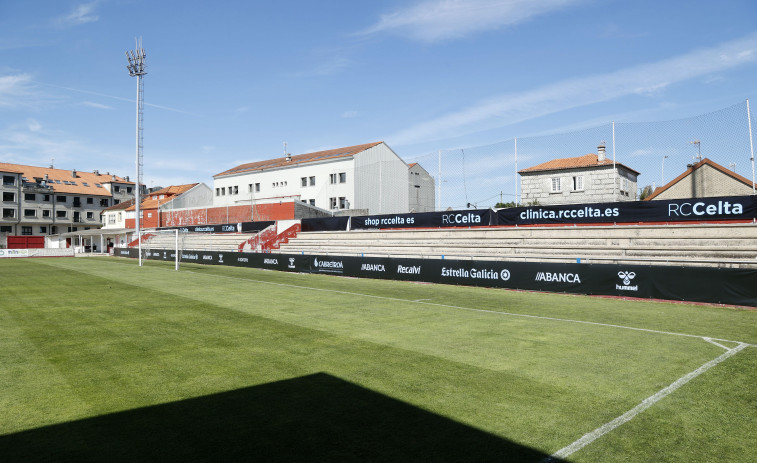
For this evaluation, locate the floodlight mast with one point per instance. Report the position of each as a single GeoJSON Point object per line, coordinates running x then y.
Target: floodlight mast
{"type": "Point", "coordinates": [137, 69]}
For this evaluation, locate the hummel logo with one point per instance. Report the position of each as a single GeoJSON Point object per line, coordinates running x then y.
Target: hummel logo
{"type": "Point", "coordinates": [627, 277]}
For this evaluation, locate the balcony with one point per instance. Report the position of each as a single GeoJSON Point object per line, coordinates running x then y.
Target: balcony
{"type": "Point", "coordinates": [36, 188]}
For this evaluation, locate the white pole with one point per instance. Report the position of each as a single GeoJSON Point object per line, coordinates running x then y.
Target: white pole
{"type": "Point", "coordinates": [614, 169]}
{"type": "Point", "coordinates": [751, 142]}
{"type": "Point", "coordinates": [137, 197]}
{"type": "Point", "coordinates": [439, 186]}
{"type": "Point", "coordinates": [177, 249]}
{"type": "Point", "coordinates": [516, 172]}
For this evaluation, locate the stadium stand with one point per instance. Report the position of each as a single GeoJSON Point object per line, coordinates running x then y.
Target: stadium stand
{"type": "Point", "coordinates": [229, 242]}
{"type": "Point", "coordinates": [713, 245]}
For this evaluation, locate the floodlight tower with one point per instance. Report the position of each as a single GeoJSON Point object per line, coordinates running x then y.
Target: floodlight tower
{"type": "Point", "coordinates": [136, 69]}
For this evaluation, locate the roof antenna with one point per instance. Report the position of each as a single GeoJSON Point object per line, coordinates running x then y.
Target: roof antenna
{"type": "Point", "coordinates": [286, 154]}
{"type": "Point", "coordinates": [52, 163]}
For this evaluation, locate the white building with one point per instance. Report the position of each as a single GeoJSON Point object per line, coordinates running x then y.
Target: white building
{"type": "Point", "coordinates": [368, 177]}
{"type": "Point", "coordinates": [591, 178]}
{"type": "Point", "coordinates": [420, 189]}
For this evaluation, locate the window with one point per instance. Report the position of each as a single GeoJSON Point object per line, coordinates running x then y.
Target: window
{"type": "Point", "coordinates": [9, 180]}
{"type": "Point", "coordinates": [312, 181]}
{"type": "Point", "coordinates": [9, 213]}
{"type": "Point", "coordinates": [90, 200]}
{"type": "Point", "coordinates": [218, 192]}
{"type": "Point", "coordinates": [6, 229]}
{"type": "Point", "coordinates": [104, 202]}
{"type": "Point", "coordinates": [60, 199]}
{"type": "Point", "coordinates": [223, 191]}
{"type": "Point", "coordinates": [9, 196]}
{"type": "Point", "coordinates": [304, 181]}
{"type": "Point", "coordinates": [117, 189]}
{"type": "Point", "coordinates": [30, 196]}
{"type": "Point", "coordinates": [578, 183]}
{"type": "Point", "coordinates": [343, 203]}
{"type": "Point", "coordinates": [312, 202]}
{"type": "Point", "coordinates": [332, 178]}
{"type": "Point", "coordinates": [257, 188]}
{"type": "Point", "coordinates": [128, 189]}
{"type": "Point", "coordinates": [555, 182]}
{"type": "Point", "coordinates": [90, 215]}
{"type": "Point", "coordinates": [46, 213]}
{"type": "Point", "coordinates": [26, 230]}
{"type": "Point", "coordinates": [60, 214]}
{"type": "Point", "coordinates": [111, 219]}
{"type": "Point", "coordinates": [116, 201]}
{"type": "Point", "coordinates": [53, 230]}
{"type": "Point", "coordinates": [46, 198]}
{"type": "Point", "coordinates": [332, 203]}
{"type": "Point", "coordinates": [85, 183]}
{"type": "Point", "coordinates": [43, 230]}
{"type": "Point", "coordinates": [343, 177]}
{"type": "Point", "coordinates": [30, 213]}
{"type": "Point", "coordinates": [149, 215]}
{"type": "Point", "coordinates": [236, 190]}
{"type": "Point", "coordinates": [119, 216]}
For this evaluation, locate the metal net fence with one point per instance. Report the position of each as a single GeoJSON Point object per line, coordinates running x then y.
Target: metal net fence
{"type": "Point", "coordinates": [660, 151]}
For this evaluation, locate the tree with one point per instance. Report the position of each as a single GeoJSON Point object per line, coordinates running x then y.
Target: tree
{"type": "Point", "coordinates": [645, 192]}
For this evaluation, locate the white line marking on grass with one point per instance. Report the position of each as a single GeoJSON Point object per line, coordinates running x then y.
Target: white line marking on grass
{"type": "Point", "coordinates": [645, 404]}
{"type": "Point", "coordinates": [496, 312]}
{"type": "Point", "coordinates": [716, 343]}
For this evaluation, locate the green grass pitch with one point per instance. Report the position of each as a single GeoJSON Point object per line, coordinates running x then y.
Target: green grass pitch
{"type": "Point", "coordinates": [101, 360]}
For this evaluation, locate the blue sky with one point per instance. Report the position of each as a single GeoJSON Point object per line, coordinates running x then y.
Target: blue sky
{"type": "Point", "coordinates": [229, 81]}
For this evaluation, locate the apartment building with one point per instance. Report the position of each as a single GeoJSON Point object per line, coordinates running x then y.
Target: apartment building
{"type": "Point", "coordinates": [48, 201]}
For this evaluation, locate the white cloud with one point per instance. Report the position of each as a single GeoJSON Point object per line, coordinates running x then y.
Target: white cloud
{"type": "Point", "coordinates": [96, 105]}
{"type": "Point", "coordinates": [15, 90]}
{"type": "Point", "coordinates": [82, 14]}
{"type": "Point", "coordinates": [349, 114]}
{"type": "Point", "coordinates": [33, 125]}
{"type": "Point", "coordinates": [646, 79]}
{"type": "Point", "coordinates": [436, 20]}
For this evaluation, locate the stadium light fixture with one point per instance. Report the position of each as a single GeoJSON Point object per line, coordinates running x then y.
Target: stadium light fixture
{"type": "Point", "coordinates": [137, 69]}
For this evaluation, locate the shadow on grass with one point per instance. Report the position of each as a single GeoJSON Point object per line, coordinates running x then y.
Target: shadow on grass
{"type": "Point", "coordinates": [312, 418]}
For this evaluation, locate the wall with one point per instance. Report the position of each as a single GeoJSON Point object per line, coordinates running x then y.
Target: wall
{"type": "Point", "coordinates": [226, 214]}
{"type": "Point", "coordinates": [381, 181]}
{"type": "Point", "coordinates": [421, 192]}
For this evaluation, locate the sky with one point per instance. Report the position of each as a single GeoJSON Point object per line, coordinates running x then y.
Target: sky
{"type": "Point", "coordinates": [230, 81]}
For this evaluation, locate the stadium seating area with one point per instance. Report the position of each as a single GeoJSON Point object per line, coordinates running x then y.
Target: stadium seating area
{"type": "Point", "coordinates": [719, 245]}
{"type": "Point", "coordinates": [228, 242]}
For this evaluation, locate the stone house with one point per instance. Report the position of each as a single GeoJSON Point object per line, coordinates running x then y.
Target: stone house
{"type": "Point", "coordinates": [591, 178]}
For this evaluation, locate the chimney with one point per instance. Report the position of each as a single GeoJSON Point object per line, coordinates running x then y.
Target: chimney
{"type": "Point", "coordinates": [73, 173]}
{"type": "Point", "coordinates": [97, 172]}
{"type": "Point", "coordinates": [286, 154]}
{"type": "Point", "coordinates": [113, 177]}
{"type": "Point", "coordinates": [601, 152]}
{"type": "Point", "coordinates": [127, 178]}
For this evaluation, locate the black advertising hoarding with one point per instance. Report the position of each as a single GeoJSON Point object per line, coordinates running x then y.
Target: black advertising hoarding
{"type": "Point", "coordinates": [696, 284]}
{"type": "Point", "coordinates": [325, 224]}
{"type": "Point", "coordinates": [242, 227]}
{"type": "Point", "coordinates": [470, 218]}
{"type": "Point", "coordinates": [673, 210]}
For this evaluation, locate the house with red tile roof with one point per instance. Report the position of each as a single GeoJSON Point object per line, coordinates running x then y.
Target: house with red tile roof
{"type": "Point", "coordinates": [591, 178]}
{"type": "Point", "coordinates": [156, 203]}
{"type": "Point", "coordinates": [47, 201]}
{"type": "Point", "coordinates": [368, 177]}
{"type": "Point", "coordinates": [705, 179]}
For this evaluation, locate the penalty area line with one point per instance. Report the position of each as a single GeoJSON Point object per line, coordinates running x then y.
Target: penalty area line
{"type": "Point", "coordinates": [590, 437]}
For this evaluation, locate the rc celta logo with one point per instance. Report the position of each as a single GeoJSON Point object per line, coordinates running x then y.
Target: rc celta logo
{"type": "Point", "coordinates": [220, 258]}
{"type": "Point", "coordinates": [291, 262]}
{"type": "Point", "coordinates": [626, 277]}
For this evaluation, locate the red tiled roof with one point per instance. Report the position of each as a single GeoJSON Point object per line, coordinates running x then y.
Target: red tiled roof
{"type": "Point", "coordinates": [119, 206]}
{"type": "Point", "coordinates": [84, 183]}
{"type": "Point", "coordinates": [696, 166]}
{"type": "Point", "coordinates": [299, 159]}
{"type": "Point", "coordinates": [170, 192]}
{"type": "Point", "coordinates": [587, 160]}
